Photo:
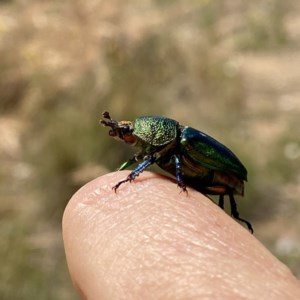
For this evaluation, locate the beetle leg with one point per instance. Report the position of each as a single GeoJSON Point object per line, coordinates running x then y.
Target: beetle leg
{"type": "Point", "coordinates": [221, 201]}
{"type": "Point", "coordinates": [127, 163]}
{"type": "Point", "coordinates": [149, 160]}
{"type": "Point", "coordinates": [178, 167]}
{"type": "Point", "coordinates": [235, 213]}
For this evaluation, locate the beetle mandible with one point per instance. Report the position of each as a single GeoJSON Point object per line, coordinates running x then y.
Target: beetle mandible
{"type": "Point", "coordinates": [193, 157]}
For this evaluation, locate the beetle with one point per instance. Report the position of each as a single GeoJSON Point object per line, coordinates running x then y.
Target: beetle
{"type": "Point", "coordinates": [193, 157]}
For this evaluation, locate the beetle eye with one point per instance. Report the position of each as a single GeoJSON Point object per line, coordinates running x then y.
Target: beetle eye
{"type": "Point", "coordinates": [126, 129]}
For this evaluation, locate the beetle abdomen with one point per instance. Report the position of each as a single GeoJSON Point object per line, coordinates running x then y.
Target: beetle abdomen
{"type": "Point", "coordinates": [210, 181]}
{"type": "Point", "coordinates": [232, 182]}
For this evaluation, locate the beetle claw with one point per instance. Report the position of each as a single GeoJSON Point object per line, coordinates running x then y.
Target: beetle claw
{"type": "Point", "coordinates": [248, 224]}
{"type": "Point", "coordinates": [119, 183]}
{"type": "Point", "coordinates": [182, 187]}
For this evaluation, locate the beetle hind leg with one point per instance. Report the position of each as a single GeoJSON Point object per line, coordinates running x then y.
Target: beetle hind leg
{"type": "Point", "coordinates": [221, 201]}
{"type": "Point", "coordinates": [235, 213]}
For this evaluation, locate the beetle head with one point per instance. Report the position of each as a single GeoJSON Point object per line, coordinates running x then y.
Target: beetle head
{"type": "Point", "coordinates": [119, 130]}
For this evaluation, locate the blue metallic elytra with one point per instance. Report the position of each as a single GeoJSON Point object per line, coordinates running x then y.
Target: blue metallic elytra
{"type": "Point", "coordinates": [193, 157]}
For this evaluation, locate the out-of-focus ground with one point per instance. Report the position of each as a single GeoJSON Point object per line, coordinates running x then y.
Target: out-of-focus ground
{"type": "Point", "coordinates": [229, 68]}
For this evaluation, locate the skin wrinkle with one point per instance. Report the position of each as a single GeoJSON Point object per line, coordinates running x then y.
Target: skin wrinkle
{"type": "Point", "coordinates": [172, 261]}
{"type": "Point", "coordinates": [170, 234]}
{"type": "Point", "coordinates": [237, 273]}
{"type": "Point", "coordinates": [162, 236]}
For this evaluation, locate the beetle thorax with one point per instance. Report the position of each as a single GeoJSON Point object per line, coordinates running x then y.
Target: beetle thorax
{"type": "Point", "coordinates": [155, 131]}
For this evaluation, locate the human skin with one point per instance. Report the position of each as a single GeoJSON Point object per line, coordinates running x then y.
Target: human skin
{"type": "Point", "coordinates": [149, 241]}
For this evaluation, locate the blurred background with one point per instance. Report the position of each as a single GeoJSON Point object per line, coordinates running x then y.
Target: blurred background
{"type": "Point", "coordinates": [228, 68]}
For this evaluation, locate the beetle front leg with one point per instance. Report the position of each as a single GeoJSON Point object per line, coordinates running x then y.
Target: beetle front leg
{"type": "Point", "coordinates": [137, 171]}
{"type": "Point", "coordinates": [178, 167]}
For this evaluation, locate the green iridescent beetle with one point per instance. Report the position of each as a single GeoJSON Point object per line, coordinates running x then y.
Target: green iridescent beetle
{"type": "Point", "coordinates": [194, 158]}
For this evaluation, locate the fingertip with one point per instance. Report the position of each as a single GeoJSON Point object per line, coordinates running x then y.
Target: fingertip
{"type": "Point", "coordinates": [144, 218]}
{"type": "Point", "coordinates": [149, 240]}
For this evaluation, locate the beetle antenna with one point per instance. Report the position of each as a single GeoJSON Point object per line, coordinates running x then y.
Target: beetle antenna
{"type": "Point", "coordinates": [111, 123]}
{"type": "Point", "coordinates": [106, 115]}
